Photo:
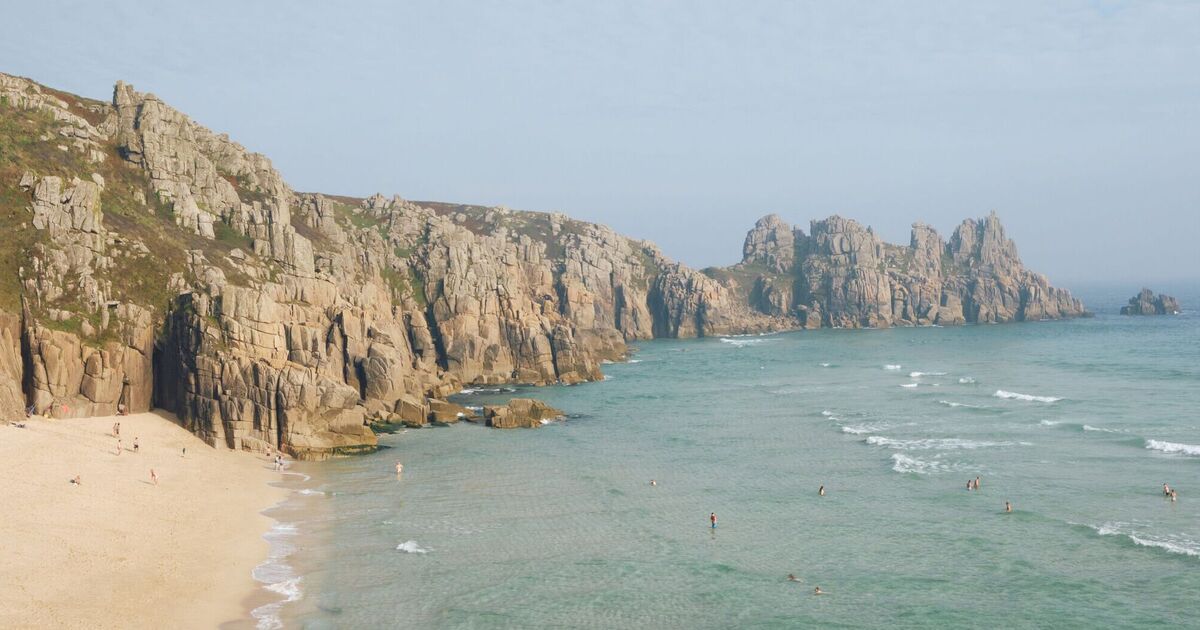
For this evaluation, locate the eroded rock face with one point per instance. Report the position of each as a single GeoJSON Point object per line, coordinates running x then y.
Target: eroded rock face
{"type": "Point", "coordinates": [1147, 303]}
{"type": "Point", "coordinates": [846, 277]}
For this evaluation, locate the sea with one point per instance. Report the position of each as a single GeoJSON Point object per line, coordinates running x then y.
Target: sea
{"type": "Point", "coordinates": [1077, 424]}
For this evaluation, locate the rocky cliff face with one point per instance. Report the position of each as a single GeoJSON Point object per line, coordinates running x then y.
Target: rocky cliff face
{"type": "Point", "coordinates": [842, 275]}
{"type": "Point", "coordinates": [151, 261]}
{"type": "Point", "coordinates": [1147, 303]}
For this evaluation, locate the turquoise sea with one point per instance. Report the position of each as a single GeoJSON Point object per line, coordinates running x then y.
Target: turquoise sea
{"type": "Point", "coordinates": [1077, 423]}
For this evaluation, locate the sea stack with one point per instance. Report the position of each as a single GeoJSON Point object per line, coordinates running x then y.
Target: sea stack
{"type": "Point", "coordinates": [1147, 303]}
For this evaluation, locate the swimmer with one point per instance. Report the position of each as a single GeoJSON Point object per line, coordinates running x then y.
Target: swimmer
{"type": "Point", "coordinates": [653, 482]}
{"type": "Point", "coordinates": [712, 517]}
{"type": "Point", "coordinates": [1166, 490]}
{"type": "Point", "coordinates": [1007, 507]}
{"type": "Point", "coordinates": [399, 468]}
{"type": "Point", "coordinates": [977, 483]}
{"type": "Point", "coordinates": [969, 484]}
{"type": "Point", "coordinates": [821, 491]}
{"type": "Point", "coordinates": [818, 591]}
{"type": "Point", "coordinates": [1174, 494]}
{"type": "Point", "coordinates": [792, 577]}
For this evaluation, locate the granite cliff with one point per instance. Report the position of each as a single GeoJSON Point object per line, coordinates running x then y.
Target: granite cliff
{"type": "Point", "coordinates": [149, 261]}
{"type": "Point", "coordinates": [1147, 303]}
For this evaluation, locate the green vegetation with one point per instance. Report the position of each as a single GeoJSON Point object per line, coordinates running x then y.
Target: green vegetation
{"type": "Point", "coordinates": [407, 282]}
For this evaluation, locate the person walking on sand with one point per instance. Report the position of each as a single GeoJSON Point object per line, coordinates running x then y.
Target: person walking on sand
{"type": "Point", "coordinates": [117, 432]}
{"type": "Point", "coordinates": [712, 518]}
{"type": "Point", "coordinates": [135, 444]}
{"type": "Point", "coordinates": [153, 476]}
{"type": "Point", "coordinates": [118, 446]}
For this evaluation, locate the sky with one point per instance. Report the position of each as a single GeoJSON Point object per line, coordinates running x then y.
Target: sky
{"type": "Point", "coordinates": [682, 122]}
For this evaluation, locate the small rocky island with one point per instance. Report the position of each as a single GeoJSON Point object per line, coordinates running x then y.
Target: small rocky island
{"type": "Point", "coordinates": [1147, 303]}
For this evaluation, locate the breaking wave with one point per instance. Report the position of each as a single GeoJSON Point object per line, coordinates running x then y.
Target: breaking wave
{"type": "Point", "coordinates": [1169, 543]}
{"type": "Point", "coordinates": [950, 403]}
{"type": "Point", "coordinates": [411, 546]}
{"type": "Point", "coordinates": [892, 366]}
{"type": "Point", "coordinates": [940, 444]}
{"type": "Point", "coordinates": [920, 374]}
{"type": "Point", "coordinates": [1174, 448]}
{"type": "Point", "coordinates": [742, 342]}
{"type": "Point", "coordinates": [1000, 393]}
{"type": "Point", "coordinates": [967, 380]}
{"type": "Point", "coordinates": [910, 385]}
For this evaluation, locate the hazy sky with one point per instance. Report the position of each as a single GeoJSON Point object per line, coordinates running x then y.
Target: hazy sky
{"type": "Point", "coordinates": [683, 122]}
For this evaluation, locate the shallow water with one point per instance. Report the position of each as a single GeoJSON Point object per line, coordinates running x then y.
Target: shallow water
{"type": "Point", "coordinates": [1077, 423]}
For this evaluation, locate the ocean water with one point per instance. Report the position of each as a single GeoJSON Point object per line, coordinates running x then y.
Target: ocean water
{"type": "Point", "coordinates": [1077, 423]}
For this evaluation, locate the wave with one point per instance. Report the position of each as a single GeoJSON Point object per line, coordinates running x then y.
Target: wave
{"type": "Point", "coordinates": [905, 464]}
{"type": "Point", "coordinates": [1000, 393]}
{"type": "Point", "coordinates": [827, 413]}
{"type": "Point", "coordinates": [892, 366]}
{"type": "Point", "coordinates": [950, 403]}
{"type": "Point", "coordinates": [1170, 543]}
{"type": "Point", "coordinates": [306, 477]}
{"type": "Point", "coordinates": [1174, 448]}
{"type": "Point", "coordinates": [826, 365]}
{"type": "Point", "coordinates": [486, 390]}
{"type": "Point", "coordinates": [920, 374]}
{"type": "Point", "coordinates": [910, 385]}
{"type": "Point", "coordinates": [940, 444]}
{"type": "Point", "coordinates": [967, 380]}
{"type": "Point", "coordinates": [1088, 427]}
{"type": "Point", "coordinates": [411, 546]}
{"type": "Point", "coordinates": [863, 430]}
{"type": "Point", "coordinates": [277, 576]}
{"type": "Point", "coordinates": [634, 361]}
{"type": "Point", "coordinates": [1050, 423]}
{"type": "Point", "coordinates": [310, 492]}
{"type": "Point", "coordinates": [741, 342]}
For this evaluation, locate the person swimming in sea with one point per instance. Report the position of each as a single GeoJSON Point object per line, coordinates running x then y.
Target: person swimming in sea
{"type": "Point", "coordinates": [970, 484]}
{"type": "Point", "coordinates": [818, 591]}
{"type": "Point", "coordinates": [792, 577]}
{"type": "Point", "coordinates": [1007, 507]}
{"type": "Point", "coordinates": [977, 483]}
{"type": "Point", "coordinates": [712, 517]}
{"type": "Point", "coordinates": [653, 482]}
{"type": "Point", "coordinates": [821, 491]}
{"type": "Point", "coordinates": [1166, 490]}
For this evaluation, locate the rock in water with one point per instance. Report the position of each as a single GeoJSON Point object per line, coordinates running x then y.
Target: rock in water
{"type": "Point", "coordinates": [520, 413]}
{"type": "Point", "coordinates": [1147, 303]}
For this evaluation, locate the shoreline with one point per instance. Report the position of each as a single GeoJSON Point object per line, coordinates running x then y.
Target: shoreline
{"type": "Point", "coordinates": [118, 550]}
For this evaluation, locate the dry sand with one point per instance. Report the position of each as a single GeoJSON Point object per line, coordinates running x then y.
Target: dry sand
{"type": "Point", "coordinates": [117, 551]}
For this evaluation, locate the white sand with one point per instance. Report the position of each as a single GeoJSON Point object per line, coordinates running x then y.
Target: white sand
{"type": "Point", "coordinates": [117, 551]}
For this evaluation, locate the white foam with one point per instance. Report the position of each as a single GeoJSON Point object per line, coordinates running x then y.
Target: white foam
{"type": "Point", "coordinates": [892, 366]}
{"type": "Point", "coordinates": [1175, 448]}
{"type": "Point", "coordinates": [308, 492]}
{"type": "Point", "coordinates": [827, 413]}
{"type": "Point", "coordinates": [826, 365]}
{"type": "Point", "coordinates": [1170, 543]}
{"type": "Point", "coordinates": [941, 444]}
{"type": "Point", "coordinates": [920, 374]}
{"type": "Point", "coordinates": [277, 576]}
{"type": "Point", "coordinates": [742, 342]}
{"type": "Point", "coordinates": [905, 464]}
{"type": "Point", "coordinates": [967, 380]}
{"type": "Point", "coordinates": [1050, 423]}
{"type": "Point", "coordinates": [950, 403]}
{"type": "Point", "coordinates": [634, 361]}
{"type": "Point", "coordinates": [411, 546]}
{"type": "Point", "coordinates": [1088, 427]}
{"type": "Point", "coordinates": [857, 430]}
{"type": "Point", "coordinates": [910, 385]}
{"type": "Point", "coordinates": [306, 477]}
{"type": "Point", "coordinates": [1000, 393]}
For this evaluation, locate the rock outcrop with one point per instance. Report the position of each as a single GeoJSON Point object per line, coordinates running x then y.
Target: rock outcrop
{"type": "Point", "coordinates": [1147, 303]}
{"type": "Point", "coordinates": [520, 413]}
{"type": "Point", "coordinates": [152, 262]}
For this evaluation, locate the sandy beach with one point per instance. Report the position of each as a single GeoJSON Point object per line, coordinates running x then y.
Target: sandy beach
{"type": "Point", "coordinates": [117, 551]}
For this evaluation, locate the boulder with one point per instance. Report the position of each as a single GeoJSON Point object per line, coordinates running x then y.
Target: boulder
{"type": "Point", "coordinates": [519, 413]}
{"type": "Point", "coordinates": [1147, 303]}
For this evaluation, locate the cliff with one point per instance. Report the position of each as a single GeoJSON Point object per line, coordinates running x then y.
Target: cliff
{"type": "Point", "coordinates": [152, 262]}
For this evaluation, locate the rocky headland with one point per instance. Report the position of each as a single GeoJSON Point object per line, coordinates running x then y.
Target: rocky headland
{"type": "Point", "coordinates": [151, 262]}
{"type": "Point", "coordinates": [1147, 303]}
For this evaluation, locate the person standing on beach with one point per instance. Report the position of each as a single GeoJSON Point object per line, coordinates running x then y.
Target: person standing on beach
{"type": "Point", "coordinates": [135, 444]}
{"type": "Point", "coordinates": [117, 432]}
{"type": "Point", "coordinates": [712, 517]}
{"type": "Point", "coordinates": [118, 446]}
{"type": "Point", "coordinates": [153, 476]}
